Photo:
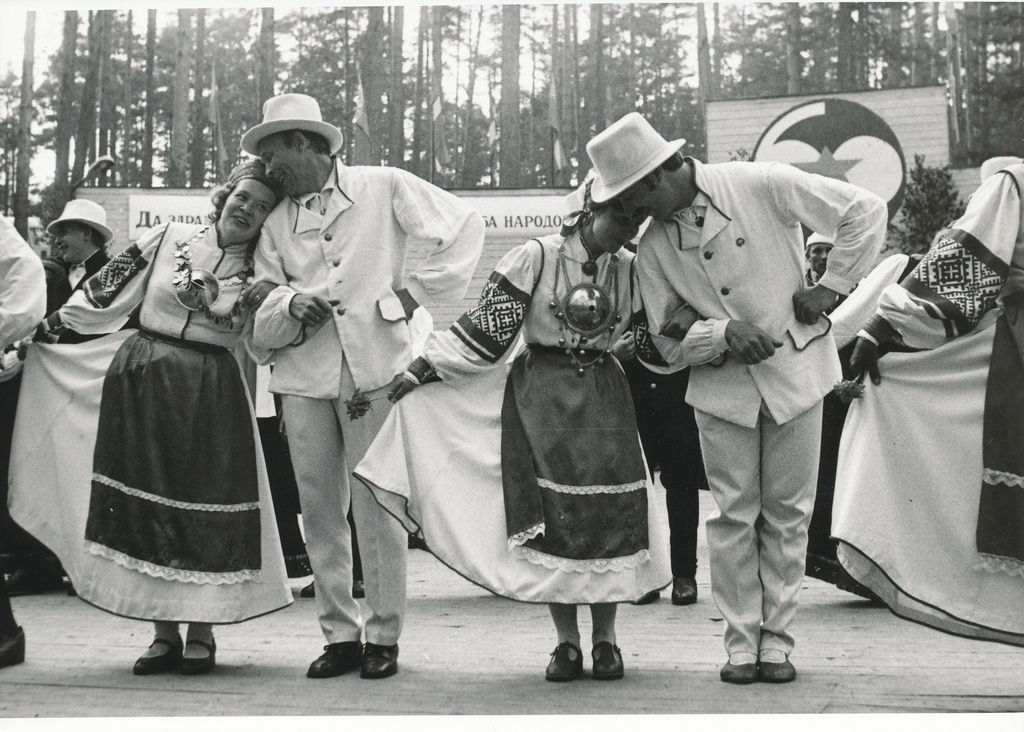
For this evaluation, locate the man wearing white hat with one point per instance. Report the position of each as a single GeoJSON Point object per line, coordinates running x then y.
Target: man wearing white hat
{"type": "Point", "coordinates": [726, 239]}
{"type": "Point", "coordinates": [816, 250]}
{"type": "Point", "coordinates": [339, 247]}
{"type": "Point", "coordinates": [80, 238]}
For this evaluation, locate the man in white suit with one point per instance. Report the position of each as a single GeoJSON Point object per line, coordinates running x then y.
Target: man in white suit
{"type": "Point", "coordinates": [721, 270]}
{"type": "Point", "coordinates": [339, 247]}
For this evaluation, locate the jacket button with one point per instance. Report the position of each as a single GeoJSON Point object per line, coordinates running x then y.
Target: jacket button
{"type": "Point", "coordinates": [654, 386]}
{"type": "Point", "coordinates": [336, 262]}
{"type": "Point", "coordinates": [328, 236]}
{"type": "Point", "coordinates": [708, 255]}
{"type": "Point", "coordinates": [725, 290]}
{"type": "Point", "coordinates": [340, 311]}
{"type": "Point", "coordinates": [741, 241]}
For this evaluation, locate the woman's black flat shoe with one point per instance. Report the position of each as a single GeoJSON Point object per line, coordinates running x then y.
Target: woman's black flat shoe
{"type": "Point", "coordinates": [191, 666]}
{"type": "Point", "coordinates": [563, 666]}
{"type": "Point", "coordinates": [169, 661]}
{"type": "Point", "coordinates": [607, 661]}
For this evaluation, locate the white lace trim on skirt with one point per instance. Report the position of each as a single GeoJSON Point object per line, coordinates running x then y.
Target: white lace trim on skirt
{"type": "Point", "coordinates": [993, 564]}
{"type": "Point", "coordinates": [169, 573]}
{"type": "Point", "coordinates": [524, 536]}
{"type": "Point", "coordinates": [585, 490]}
{"type": "Point", "coordinates": [220, 507]}
{"type": "Point", "coordinates": [995, 477]}
{"type": "Point", "coordinates": [613, 564]}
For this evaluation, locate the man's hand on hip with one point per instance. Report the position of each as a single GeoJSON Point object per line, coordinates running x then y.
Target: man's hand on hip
{"type": "Point", "coordinates": [749, 343]}
{"type": "Point", "coordinates": [810, 304]}
{"type": "Point", "coordinates": [311, 310]}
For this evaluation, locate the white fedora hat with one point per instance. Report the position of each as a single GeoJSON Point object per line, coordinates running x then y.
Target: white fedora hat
{"type": "Point", "coordinates": [291, 112]}
{"type": "Point", "coordinates": [626, 152]}
{"type": "Point", "coordinates": [85, 212]}
{"type": "Point", "coordinates": [993, 165]}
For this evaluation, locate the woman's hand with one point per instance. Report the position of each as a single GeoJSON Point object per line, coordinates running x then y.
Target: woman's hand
{"type": "Point", "coordinates": [399, 387]}
{"type": "Point", "coordinates": [254, 295]}
{"type": "Point", "coordinates": [625, 347]}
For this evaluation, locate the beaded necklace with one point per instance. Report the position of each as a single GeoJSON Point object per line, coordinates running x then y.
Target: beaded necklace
{"type": "Point", "coordinates": [586, 308]}
{"type": "Point", "coordinates": [198, 290]}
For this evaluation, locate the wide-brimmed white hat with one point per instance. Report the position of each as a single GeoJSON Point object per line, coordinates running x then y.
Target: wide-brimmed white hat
{"type": "Point", "coordinates": [626, 152]}
{"type": "Point", "coordinates": [85, 212]}
{"type": "Point", "coordinates": [291, 112]}
{"type": "Point", "coordinates": [994, 165]}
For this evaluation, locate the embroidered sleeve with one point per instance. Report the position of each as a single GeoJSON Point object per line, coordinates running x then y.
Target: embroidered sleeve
{"type": "Point", "coordinates": [480, 337]}
{"type": "Point", "coordinates": [110, 295]}
{"type": "Point", "coordinates": [103, 287]}
{"type": "Point", "coordinates": [960, 278]}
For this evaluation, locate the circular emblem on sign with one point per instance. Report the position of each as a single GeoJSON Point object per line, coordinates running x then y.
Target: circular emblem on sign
{"type": "Point", "coordinates": [839, 139]}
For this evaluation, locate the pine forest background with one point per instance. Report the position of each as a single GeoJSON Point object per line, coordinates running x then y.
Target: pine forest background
{"type": "Point", "coordinates": [474, 96]}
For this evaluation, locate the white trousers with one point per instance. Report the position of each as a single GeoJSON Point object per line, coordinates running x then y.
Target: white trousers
{"type": "Point", "coordinates": [325, 446]}
{"type": "Point", "coordinates": [763, 480]}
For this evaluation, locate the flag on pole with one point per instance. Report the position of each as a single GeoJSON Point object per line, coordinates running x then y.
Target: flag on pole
{"type": "Point", "coordinates": [557, 156]}
{"type": "Point", "coordinates": [222, 164]}
{"type": "Point", "coordinates": [362, 139]}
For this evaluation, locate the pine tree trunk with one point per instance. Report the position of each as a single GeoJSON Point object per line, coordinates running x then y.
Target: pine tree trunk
{"type": "Point", "coordinates": [85, 136]}
{"type": "Point", "coordinates": [25, 127]}
{"type": "Point", "coordinates": [703, 61]}
{"type": "Point", "coordinates": [845, 74]}
{"type": "Point", "coordinates": [127, 158]}
{"type": "Point", "coordinates": [102, 94]}
{"type": "Point", "coordinates": [596, 88]}
{"type": "Point", "coordinates": [373, 72]}
{"type": "Point", "coordinates": [178, 163]}
{"type": "Point", "coordinates": [510, 153]}
{"type": "Point", "coordinates": [197, 156]}
{"type": "Point", "coordinates": [464, 180]}
{"type": "Point", "coordinates": [65, 113]}
{"type": "Point", "coordinates": [266, 55]}
{"type": "Point", "coordinates": [146, 178]}
{"type": "Point", "coordinates": [418, 134]}
{"type": "Point", "coordinates": [716, 44]}
{"type": "Point", "coordinates": [396, 92]}
{"type": "Point", "coordinates": [793, 46]}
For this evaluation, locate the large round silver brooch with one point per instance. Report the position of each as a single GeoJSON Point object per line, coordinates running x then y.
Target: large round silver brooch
{"type": "Point", "coordinates": [199, 289]}
{"type": "Point", "coordinates": [587, 309]}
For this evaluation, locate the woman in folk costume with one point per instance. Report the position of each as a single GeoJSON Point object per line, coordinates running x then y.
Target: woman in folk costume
{"type": "Point", "coordinates": [180, 523]}
{"type": "Point", "coordinates": [525, 475]}
{"type": "Point", "coordinates": [929, 503]}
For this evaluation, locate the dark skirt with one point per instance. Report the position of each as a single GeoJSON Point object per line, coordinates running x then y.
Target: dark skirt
{"type": "Point", "coordinates": [573, 474]}
{"type": "Point", "coordinates": [174, 487]}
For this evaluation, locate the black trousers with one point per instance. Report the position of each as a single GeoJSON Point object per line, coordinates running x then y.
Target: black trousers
{"type": "Point", "coordinates": [671, 442]}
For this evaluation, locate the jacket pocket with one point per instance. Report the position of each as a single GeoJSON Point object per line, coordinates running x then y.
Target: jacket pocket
{"type": "Point", "coordinates": [390, 308]}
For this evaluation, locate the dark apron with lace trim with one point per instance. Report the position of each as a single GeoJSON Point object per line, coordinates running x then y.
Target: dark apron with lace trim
{"type": "Point", "coordinates": [572, 470]}
{"type": "Point", "coordinates": [174, 489]}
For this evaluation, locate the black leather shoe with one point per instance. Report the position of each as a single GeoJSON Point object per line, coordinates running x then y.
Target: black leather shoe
{"type": "Point", "coordinates": [193, 666]}
{"type": "Point", "coordinates": [684, 591]}
{"type": "Point", "coordinates": [169, 661]}
{"type": "Point", "coordinates": [776, 673]}
{"type": "Point", "coordinates": [563, 666]}
{"type": "Point", "coordinates": [358, 590]}
{"type": "Point", "coordinates": [647, 598]}
{"type": "Point", "coordinates": [309, 590]}
{"type": "Point", "coordinates": [607, 661]}
{"type": "Point", "coordinates": [12, 650]}
{"type": "Point", "coordinates": [379, 662]}
{"type": "Point", "coordinates": [337, 659]}
{"type": "Point", "coordinates": [743, 673]}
